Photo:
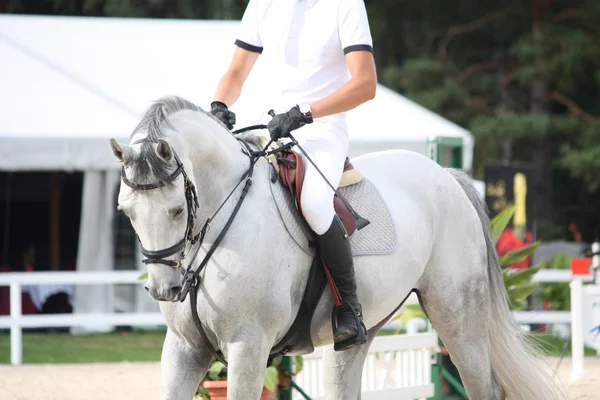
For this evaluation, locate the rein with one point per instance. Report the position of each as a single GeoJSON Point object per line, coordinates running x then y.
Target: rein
{"type": "Point", "coordinates": [191, 277]}
{"type": "Point", "coordinates": [191, 280]}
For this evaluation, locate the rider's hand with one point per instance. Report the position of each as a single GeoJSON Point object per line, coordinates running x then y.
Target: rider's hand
{"type": "Point", "coordinates": [282, 124]}
{"type": "Point", "coordinates": [220, 110]}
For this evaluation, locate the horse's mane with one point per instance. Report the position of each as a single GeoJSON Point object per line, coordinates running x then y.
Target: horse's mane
{"type": "Point", "coordinates": [148, 166]}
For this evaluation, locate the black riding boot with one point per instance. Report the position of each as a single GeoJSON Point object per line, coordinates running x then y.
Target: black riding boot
{"type": "Point", "coordinates": [348, 328]}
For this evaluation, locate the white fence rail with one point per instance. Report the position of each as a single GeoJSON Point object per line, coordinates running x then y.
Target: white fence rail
{"type": "Point", "coordinates": [16, 321]}
{"type": "Point", "coordinates": [397, 367]}
{"type": "Point", "coordinates": [17, 280]}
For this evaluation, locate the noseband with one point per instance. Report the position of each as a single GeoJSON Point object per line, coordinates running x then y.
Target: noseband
{"type": "Point", "coordinates": [191, 199]}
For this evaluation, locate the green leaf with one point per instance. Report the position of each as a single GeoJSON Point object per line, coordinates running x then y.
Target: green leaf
{"type": "Point", "coordinates": [143, 276]}
{"type": "Point", "coordinates": [202, 393]}
{"type": "Point", "coordinates": [299, 361]}
{"type": "Point", "coordinates": [517, 305]}
{"type": "Point", "coordinates": [521, 292]}
{"type": "Point", "coordinates": [217, 371]}
{"type": "Point", "coordinates": [271, 378]}
{"type": "Point", "coordinates": [520, 277]}
{"type": "Point", "coordinates": [519, 254]}
{"type": "Point", "coordinates": [410, 311]}
{"type": "Point", "coordinates": [500, 222]}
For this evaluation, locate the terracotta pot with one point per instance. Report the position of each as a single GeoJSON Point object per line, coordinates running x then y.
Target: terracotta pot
{"type": "Point", "coordinates": [267, 394]}
{"type": "Point", "coordinates": [217, 390]}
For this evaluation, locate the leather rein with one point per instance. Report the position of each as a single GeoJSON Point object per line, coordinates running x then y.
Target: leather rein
{"type": "Point", "coordinates": [191, 280]}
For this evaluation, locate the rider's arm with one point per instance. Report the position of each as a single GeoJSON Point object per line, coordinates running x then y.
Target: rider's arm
{"type": "Point", "coordinates": [357, 90]}
{"type": "Point", "coordinates": [249, 46]}
{"type": "Point", "coordinates": [357, 44]}
{"type": "Point", "coordinates": [230, 86]}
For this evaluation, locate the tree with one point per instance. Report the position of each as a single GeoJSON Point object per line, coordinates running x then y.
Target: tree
{"type": "Point", "coordinates": [208, 9]}
{"type": "Point", "coordinates": [522, 76]}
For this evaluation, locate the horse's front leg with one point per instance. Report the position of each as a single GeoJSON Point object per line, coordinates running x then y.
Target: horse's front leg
{"type": "Point", "coordinates": [247, 357]}
{"type": "Point", "coordinates": [182, 367]}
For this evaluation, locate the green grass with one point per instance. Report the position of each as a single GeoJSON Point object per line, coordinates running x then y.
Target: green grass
{"type": "Point", "coordinates": [63, 348]}
{"type": "Point", "coordinates": [140, 345]}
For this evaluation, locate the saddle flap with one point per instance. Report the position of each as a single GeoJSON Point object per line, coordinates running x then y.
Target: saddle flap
{"type": "Point", "coordinates": [291, 173]}
{"type": "Point", "coordinates": [344, 214]}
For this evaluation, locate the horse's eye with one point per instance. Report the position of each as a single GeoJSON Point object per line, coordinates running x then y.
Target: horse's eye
{"type": "Point", "coordinates": [178, 211]}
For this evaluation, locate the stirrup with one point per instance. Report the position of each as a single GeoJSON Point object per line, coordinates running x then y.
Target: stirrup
{"type": "Point", "coordinates": [356, 340]}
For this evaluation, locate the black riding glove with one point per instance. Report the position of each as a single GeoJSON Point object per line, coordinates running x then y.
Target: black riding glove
{"type": "Point", "coordinates": [220, 110]}
{"type": "Point", "coordinates": [282, 124]}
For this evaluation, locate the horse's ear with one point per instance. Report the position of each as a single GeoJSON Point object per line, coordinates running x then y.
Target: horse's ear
{"type": "Point", "coordinates": [164, 150]}
{"type": "Point", "coordinates": [123, 153]}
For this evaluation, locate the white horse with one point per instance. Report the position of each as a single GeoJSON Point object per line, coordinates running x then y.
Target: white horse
{"type": "Point", "coordinates": [250, 288]}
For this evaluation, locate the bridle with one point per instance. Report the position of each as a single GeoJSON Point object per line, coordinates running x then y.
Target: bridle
{"type": "Point", "coordinates": [191, 280]}
{"type": "Point", "coordinates": [191, 199]}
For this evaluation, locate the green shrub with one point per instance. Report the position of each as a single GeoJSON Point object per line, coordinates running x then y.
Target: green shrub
{"type": "Point", "coordinates": [557, 294]}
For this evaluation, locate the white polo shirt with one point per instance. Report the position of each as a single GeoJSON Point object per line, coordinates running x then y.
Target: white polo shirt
{"type": "Point", "coordinates": [304, 43]}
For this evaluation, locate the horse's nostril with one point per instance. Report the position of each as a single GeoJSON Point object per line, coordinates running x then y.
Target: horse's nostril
{"type": "Point", "coordinates": [175, 290]}
{"type": "Point", "coordinates": [147, 289]}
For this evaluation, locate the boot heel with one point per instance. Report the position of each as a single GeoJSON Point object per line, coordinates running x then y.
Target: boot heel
{"type": "Point", "coordinates": [355, 340]}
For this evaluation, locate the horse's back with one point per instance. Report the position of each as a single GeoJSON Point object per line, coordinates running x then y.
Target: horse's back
{"type": "Point", "coordinates": [430, 208]}
{"type": "Point", "coordinates": [410, 182]}
{"type": "Point", "coordinates": [398, 165]}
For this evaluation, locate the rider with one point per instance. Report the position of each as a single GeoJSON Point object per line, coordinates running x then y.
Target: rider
{"type": "Point", "coordinates": [321, 58]}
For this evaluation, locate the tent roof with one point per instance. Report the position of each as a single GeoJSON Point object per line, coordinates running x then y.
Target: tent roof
{"type": "Point", "coordinates": [70, 83]}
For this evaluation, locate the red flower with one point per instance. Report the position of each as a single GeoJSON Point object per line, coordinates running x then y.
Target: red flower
{"type": "Point", "coordinates": [508, 242]}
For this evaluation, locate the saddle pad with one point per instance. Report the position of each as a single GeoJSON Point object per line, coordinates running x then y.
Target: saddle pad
{"type": "Point", "coordinates": [379, 237]}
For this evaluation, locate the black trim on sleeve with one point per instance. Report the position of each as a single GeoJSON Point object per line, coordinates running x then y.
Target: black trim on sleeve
{"type": "Point", "coordinates": [357, 47]}
{"type": "Point", "coordinates": [248, 46]}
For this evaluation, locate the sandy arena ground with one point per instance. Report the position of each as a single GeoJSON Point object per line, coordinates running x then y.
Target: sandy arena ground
{"type": "Point", "coordinates": [140, 381]}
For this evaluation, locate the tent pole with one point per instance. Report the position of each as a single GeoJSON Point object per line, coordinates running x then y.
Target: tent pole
{"type": "Point", "coordinates": [54, 212]}
{"type": "Point", "coordinates": [6, 241]}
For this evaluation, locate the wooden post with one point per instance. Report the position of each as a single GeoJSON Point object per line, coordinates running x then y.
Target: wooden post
{"type": "Point", "coordinates": [54, 213]}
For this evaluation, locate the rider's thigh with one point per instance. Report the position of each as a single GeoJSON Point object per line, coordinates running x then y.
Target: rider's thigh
{"type": "Point", "coordinates": [328, 152]}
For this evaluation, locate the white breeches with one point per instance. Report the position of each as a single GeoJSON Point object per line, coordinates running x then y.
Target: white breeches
{"type": "Point", "coordinates": [326, 143]}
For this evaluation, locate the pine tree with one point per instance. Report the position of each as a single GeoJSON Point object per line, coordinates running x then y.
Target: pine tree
{"type": "Point", "coordinates": [207, 9]}
{"type": "Point", "coordinates": [521, 76]}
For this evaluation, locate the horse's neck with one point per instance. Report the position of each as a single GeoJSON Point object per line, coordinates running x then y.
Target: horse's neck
{"type": "Point", "coordinates": [219, 165]}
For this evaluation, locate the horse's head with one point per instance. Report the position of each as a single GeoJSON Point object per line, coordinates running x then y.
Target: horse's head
{"type": "Point", "coordinates": [158, 195]}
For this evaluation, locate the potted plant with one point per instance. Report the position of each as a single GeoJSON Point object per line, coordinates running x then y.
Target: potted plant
{"type": "Point", "coordinates": [287, 370]}
{"type": "Point", "coordinates": [214, 384]}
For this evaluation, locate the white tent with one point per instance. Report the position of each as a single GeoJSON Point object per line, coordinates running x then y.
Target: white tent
{"type": "Point", "coordinates": [67, 84]}
{"type": "Point", "coordinates": [70, 83]}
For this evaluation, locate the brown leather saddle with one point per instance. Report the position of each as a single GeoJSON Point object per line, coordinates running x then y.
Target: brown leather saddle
{"type": "Point", "coordinates": [291, 175]}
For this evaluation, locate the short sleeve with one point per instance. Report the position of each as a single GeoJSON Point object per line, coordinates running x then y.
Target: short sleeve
{"type": "Point", "coordinates": [248, 37]}
{"type": "Point", "coordinates": [353, 26]}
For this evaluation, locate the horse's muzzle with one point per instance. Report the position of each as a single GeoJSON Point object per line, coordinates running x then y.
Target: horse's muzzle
{"type": "Point", "coordinates": [164, 294]}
